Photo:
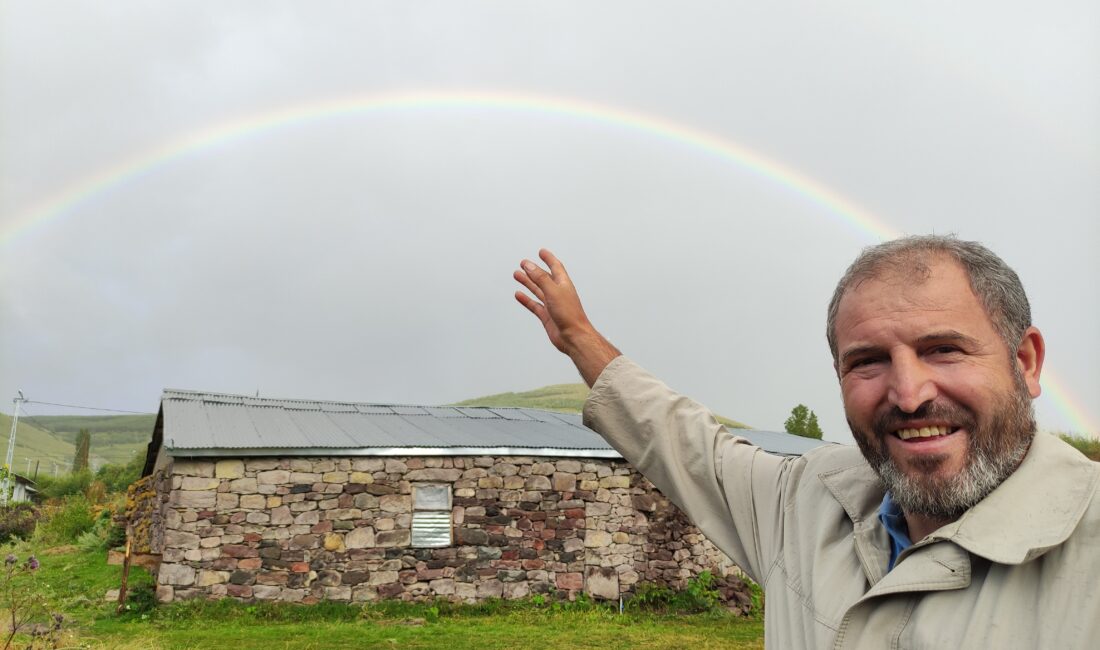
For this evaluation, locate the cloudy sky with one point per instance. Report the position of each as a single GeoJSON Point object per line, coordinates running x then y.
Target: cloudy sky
{"type": "Point", "coordinates": [327, 199]}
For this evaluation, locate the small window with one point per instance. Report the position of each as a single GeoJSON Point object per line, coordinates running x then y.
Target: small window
{"type": "Point", "coordinates": [431, 519]}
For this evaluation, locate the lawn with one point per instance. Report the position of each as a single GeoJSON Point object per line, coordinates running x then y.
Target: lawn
{"type": "Point", "coordinates": [76, 581]}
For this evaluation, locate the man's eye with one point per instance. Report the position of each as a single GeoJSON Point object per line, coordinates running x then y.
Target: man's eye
{"type": "Point", "coordinates": [944, 349]}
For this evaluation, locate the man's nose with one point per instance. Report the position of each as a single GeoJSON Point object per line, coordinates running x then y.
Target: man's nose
{"type": "Point", "coordinates": [911, 383]}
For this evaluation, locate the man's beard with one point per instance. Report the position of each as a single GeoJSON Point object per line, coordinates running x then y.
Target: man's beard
{"type": "Point", "coordinates": [994, 451]}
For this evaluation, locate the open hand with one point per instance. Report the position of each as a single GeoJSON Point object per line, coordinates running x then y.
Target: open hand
{"type": "Point", "coordinates": [558, 307]}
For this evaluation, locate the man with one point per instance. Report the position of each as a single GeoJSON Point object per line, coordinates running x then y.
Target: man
{"type": "Point", "coordinates": [954, 525]}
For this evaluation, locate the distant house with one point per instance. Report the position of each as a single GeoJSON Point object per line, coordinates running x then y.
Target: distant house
{"type": "Point", "coordinates": [23, 489]}
{"type": "Point", "coordinates": [306, 500]}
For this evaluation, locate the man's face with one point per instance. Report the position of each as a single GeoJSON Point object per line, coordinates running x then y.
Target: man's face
{"type": "Point", "coordinates": [936, 401]}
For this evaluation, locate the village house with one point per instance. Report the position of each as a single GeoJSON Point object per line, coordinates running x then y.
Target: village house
{"type": "Point", "coordinates": [306, 500]}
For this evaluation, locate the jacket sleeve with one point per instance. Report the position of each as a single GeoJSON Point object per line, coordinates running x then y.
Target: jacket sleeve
{"type": "Point", "coordinates": [732, 490]}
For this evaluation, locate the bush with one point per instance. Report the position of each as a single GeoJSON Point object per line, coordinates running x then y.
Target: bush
{"type": "Point", "coordinates": [699, 596]}
{"type": "Point", "coordinates": [118, 477]}
{"type": "Point", "coordinates": [1087, 445]}
{"type": "Point", "coordinates": [56, 487]}
{"type": "Point", "coordinates": [17, 520]}
{"type": "Point", "coordinates": [66, 522]}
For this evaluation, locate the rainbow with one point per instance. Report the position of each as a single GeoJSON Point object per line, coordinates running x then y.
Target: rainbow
{"type": "Point", "coordinates": [210, 136]}
{"type": "Point", "coordinates": [131, 168]}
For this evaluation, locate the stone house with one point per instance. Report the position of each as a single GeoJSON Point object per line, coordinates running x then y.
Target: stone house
{"type": "Point", "coordinates": [305, 500]}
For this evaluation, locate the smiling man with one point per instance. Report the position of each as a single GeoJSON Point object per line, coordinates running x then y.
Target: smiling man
{"type": "Point", "coordinates": [954, 525]}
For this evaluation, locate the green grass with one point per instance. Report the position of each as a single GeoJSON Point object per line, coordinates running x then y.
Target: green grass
{"type": "Point", "coordinates": [566, 398]}
{"type": "Point", "coordinates": [115, 439]}
{"type": "Point", "coordinates": [1087, 445]}
{"type": "Point", "coordinates": [77, 581]}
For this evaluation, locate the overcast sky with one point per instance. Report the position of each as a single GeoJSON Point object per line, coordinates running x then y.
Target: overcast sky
{"type": "Point", "coordinates": [367, 255]}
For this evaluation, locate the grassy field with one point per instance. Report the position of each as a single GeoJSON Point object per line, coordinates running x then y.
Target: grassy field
{"type": "Point", "coordinates": [77, 581]}
{"type": "Point", "coordinates": [568, 398]}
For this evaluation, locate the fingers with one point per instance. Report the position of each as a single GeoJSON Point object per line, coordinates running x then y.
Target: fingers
{"type": "Point", "coordinates": [557, 269]}
{"type": "Point", "coordinates": [532, 305]}
{"type": "Point", "coordinates": [526, 281]}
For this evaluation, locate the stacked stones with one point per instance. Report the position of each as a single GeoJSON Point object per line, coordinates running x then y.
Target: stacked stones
{"type": "Point", "coordinates": [311, 529]}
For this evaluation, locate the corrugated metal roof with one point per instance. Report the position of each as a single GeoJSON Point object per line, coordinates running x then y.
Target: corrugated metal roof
{"type": "Point", "coordinates": [209, 424]}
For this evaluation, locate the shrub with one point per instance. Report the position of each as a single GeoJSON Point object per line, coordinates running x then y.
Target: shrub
{"type": "Point", "coordinates": [1087, 445]}
{"type": "Point", "coordinates": [56, 487]}
{"type": "Point", "coordinates": [66, 522]}
{"type": "Point", "coordinates": [117, 477]}
{"type": "Point", "coordinates": [17, 520]}
{"type": "Point", "coordinates": [698, 596]}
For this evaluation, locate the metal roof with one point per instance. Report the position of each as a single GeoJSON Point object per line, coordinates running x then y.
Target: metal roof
{"type": "Point", "coordinates": [215, 424]}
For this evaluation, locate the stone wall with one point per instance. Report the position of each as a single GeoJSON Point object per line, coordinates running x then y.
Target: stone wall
{"type": "Point", "coordinates": [308, 529]}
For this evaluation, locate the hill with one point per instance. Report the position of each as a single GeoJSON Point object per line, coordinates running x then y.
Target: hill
{"type": "Point", "coordinates": [49, 439]}
{"type": "Point", "coordinates": [567, 398]}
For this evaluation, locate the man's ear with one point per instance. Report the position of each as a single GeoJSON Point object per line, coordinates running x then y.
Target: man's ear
{"type": "Point", "coordinates": [1029, 359]}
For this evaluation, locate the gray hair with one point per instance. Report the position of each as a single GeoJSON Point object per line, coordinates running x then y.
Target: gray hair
{"type": "Point", "coordinates": [995, 284]}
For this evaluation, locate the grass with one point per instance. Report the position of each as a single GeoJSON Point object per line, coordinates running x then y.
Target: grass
{"type": "Point", "coordinates": [566, 398]}
{"type": "Point", "coordinates": [77, 581]}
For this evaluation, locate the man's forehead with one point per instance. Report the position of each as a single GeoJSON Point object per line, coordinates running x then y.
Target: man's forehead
{"type": "Point", "coordinates": [937, 285]}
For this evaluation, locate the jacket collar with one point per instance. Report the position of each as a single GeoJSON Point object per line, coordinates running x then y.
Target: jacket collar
{"type": "Point", "coordinates": [1034, 510]}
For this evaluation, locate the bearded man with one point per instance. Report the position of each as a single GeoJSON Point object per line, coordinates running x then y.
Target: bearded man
{"type": "Point", "coordinates": [954, 524]}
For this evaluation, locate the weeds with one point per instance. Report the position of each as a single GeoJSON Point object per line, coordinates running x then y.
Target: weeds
{"type": "Point", "coordinates": [24, 605]}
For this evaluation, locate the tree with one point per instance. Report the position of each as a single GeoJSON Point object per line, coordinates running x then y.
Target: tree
{"type": "Point", "coordinates": [83, 446]}
{"type": "Point", "coordinates": [803, 422]}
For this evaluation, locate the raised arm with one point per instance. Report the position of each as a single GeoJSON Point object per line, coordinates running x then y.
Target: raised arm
{"type": "Point", "coordinates": [558, 307]}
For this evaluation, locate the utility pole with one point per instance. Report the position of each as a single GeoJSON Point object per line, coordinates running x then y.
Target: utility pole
{"type": "Point", "coordinates": [5, 489]}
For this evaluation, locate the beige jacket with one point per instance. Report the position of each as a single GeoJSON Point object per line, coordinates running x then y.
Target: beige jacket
{"type": "Point", "coordinates": [1019, 570]}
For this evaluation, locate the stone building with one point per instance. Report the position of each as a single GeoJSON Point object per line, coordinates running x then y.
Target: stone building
{"type": "Point", "coordinates": [302, 501]}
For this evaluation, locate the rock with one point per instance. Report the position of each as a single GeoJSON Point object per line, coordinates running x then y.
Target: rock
{"type": "Point", "coordinates": [471, 537]}
{"type": "Point", "coordinates": [537, 483]}
{"type": "Point", "coordinates": [179, 575]}
{"type": "Point", "coordinates": [180, 539]}
{"type": "Point", "coordinates": [490, 589]}
{"type": "Point", "coordinates": [568, 466]}
{"type": "Point", "coordinates": [395, 503]}
{"type": "Point", "coordinates": [194, 499]}
{"type": "Point", "coordinates": [394, 466]}
{"type": "Point", "coordinates": [383, 577]}
{"type": "Point", "coordinates": [193, 468]}
{"type": "Point", "coordinates": [597, 539]}
{"type": "Point", "coordinates": [436, 475]}
{"type": "Point", "coordinates": [229, 469]}
{"type": "Point", "coordinates": [111, 596]}
{"type": "Point", "coordinates": [393, 538]}
{"type": "Point", "coordinates": [196, 483]}
{"type": "Point", "coordinates": [273, 477]}
{"type": "Point", "coordinates": [243, 486]}
{"type": "Point", "coordinates": [253, 502]}
{"type": "Point", "coordinates": [281, 516]}
{"type": "Point", "coordinates": [562, 482]}
{"type": "Point", "coordinates": [334, 542]}
{"type": "Point", "coordinates": [362, 537]}
{"type": "Point", "coordinates": [569, 581]}
{"type": "Point", "coordinates": [611, 482]}
{"type": "Point", "coordinates": [266, 592]}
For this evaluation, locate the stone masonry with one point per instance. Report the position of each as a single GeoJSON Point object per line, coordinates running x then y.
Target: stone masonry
{"type": "Point", "coordinates": [312, 529]}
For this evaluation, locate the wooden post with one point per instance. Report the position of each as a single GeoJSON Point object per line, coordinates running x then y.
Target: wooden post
{"type": "Point", "coordinates": [125, 573]}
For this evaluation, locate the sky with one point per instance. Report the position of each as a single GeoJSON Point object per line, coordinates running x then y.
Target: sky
{"type": "Point", "coordinates": [327, 199]}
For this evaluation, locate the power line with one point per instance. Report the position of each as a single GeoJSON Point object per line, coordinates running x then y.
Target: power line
{"type": "Point", "coordinates": [89, 408]}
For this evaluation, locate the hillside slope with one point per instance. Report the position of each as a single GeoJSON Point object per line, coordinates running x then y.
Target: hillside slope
{"type": "Point", "coordinates": [568, 398]}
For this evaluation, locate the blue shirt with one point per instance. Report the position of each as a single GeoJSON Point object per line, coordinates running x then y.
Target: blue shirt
{"type": "Point", "coordinates": [891, 516]}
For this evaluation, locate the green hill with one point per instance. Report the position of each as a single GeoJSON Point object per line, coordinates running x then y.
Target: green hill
{"type": "Point", "coordinates": [567, 398]}
{"type": "Point", "coordinates": [48, 439]}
